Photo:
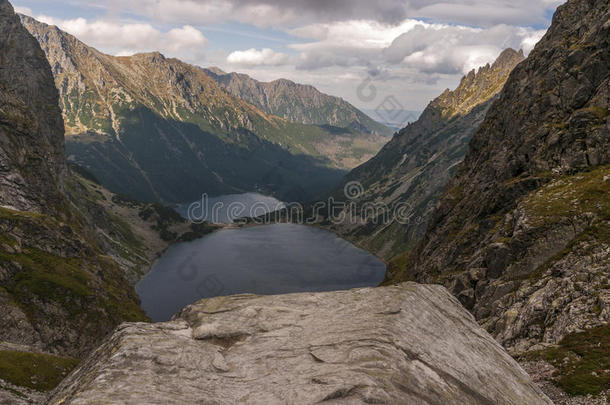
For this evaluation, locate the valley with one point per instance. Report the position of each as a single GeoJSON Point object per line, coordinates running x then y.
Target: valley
{"type": "Point", "coordinates": [171, 233]}
{"type": "Point", "coordinates": [158, 129]}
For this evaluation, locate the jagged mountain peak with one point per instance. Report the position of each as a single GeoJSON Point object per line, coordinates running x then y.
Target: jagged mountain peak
{"type": "Point", "coordinates": [525, 219]}
{"type": "Point", "coordinates": [508, 56]}
{"type": "Point", "coordinates": [216, 70]}
{"type": "Point", "coordinates": [478, 85]}
{"type": "Point", "coordinates": [297, 102]}
{"type": "Point", "coordinates": [415, 166]}
{"type": "Point", "coordinates": [153, 56]}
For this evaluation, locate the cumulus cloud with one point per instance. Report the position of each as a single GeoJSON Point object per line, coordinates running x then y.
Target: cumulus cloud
{"type": "Point", "coordinates": [23, 10]}
{"type": "Point", "coordinates": [254, 57]}
{"type": "Point", "coordinates": [456, 49]}
{"type": "Point", "coordinates": [425, 47]}
{"type": "Point", "coordinates": [284, 13]}
{"type": "Point", "coordinates": [128, 38]}
{"type": "Point", "coordinates": [346, 43]}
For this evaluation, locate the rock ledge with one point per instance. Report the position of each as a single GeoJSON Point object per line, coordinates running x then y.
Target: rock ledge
{"type": "Point", "coordinates": [403, 344]}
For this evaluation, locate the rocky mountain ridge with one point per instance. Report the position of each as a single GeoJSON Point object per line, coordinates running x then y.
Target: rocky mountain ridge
{"type": "Point", "coordinates": [169, 132]}
{"type": "Point", "coordinates": [32, 158]}
{"type": "Point", "coordinates": [70, 251]}
{"type": "Point", "coordinates": [55, 281]}
{"type": "Point", "coordinates": [297, 102]}
{"type": "Point", "coordinates": [412, 170]}
{"type": "Point", "coordinates": [521, 235]}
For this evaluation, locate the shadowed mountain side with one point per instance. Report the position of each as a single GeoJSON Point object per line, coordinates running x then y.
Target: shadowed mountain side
{"type": "Point", "coordinates": [159, 158]}
{"type": "Point", "coordinates": [407, 177]}
{"type": "Point", "coordinates": [521, 234]}
{"type": "Point", "coordinates": [129, 100]}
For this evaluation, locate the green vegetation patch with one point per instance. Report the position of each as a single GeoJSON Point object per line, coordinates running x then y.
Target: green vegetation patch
{"type": "Point", "coordinates": [582, 361]}
{"type": "Point", "coordinates": [90, 287]}
{"type": "Point", "coordinates": [50, 278]}
{"type": "Point", "coordinates": [41, 372]}
{"type": "Point", "coordinates": [396, 267]}
{"type": "Point", "coordinates": [573, 196]}
{"type": "Point", "coordinates": [600, 112]}
{"type": "Point", "coordinates": [570, 196]}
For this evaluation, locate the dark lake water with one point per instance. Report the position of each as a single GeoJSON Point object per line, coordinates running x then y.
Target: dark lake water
{"type": "Point", "coordinates": [224, 209]}
{"type": "Point", "coordinates": [269, 259]}
{"type": "Point", "coordinates": [266, 259]}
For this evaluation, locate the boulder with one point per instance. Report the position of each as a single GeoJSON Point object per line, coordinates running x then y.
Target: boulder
{"type": "Point", "coordinates": [402, 344]}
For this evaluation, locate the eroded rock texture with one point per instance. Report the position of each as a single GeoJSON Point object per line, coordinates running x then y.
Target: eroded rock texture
{"type": "Point", "coordinates": [406, 344]}
{"type": "Point", "coordinates": [408, 176]}
{"type": "Point", "coordinates": [32, 158]}
{"type": "Point", "coordinates": [521, 236]}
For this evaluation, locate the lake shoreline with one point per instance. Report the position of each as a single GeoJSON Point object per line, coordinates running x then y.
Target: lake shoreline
{"type": "Point", "coordinates": [237, 261]}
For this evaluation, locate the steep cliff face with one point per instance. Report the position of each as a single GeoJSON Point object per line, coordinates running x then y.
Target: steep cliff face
{"type": "Point", "coordinates": [377, 345]}
{"type": "Point", "coordinates": [521, 235]}
{"type": "Point", "coordinates": [159, 129]}
{"type": "Point", "coordinates": [60, 290]}
{"type": "Point", "coordinates": [32, 158]}
{"type": "Point", "coordinates": [69, 249]}
{"type": "Point", "coordinates": [297, 102]}
{"type": "Point", "coordinates": [412, 170]}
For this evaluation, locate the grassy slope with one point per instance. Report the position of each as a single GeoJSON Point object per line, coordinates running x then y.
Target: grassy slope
{"type": "Point", "coordinates": [38, 371]}
{"type": "Point", "coordinates": [582, 361]}
{"type": "Point", "coordinates": [87, 286]}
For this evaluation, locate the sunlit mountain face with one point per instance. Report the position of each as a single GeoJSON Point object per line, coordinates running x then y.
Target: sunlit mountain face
{"type": "Point", "coordinates": [265, 201]}
{"type": "Point", "coordinates": [390, 56]}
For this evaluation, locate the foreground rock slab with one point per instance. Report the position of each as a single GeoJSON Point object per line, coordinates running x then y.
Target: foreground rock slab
{"type": "Point", "coordinates": [403, 344]}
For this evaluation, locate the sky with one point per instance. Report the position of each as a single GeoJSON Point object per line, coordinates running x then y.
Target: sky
{"type": "Point", "coordinates": [387, 55]}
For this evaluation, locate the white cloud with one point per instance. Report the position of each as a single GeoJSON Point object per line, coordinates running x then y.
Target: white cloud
{"type": "Point", "coordinates": [530, 39]}
{"type": "Point", "coordinates": [346, 43]}
{"type": "Point", "coordinates": [123, 39]}
{"type": "Point", "coordinates": [425, 47]}
{"type": "Point", "coordinates": [23, 10]}
{"type": "Point", "coordinates": [254, 57]}
{"type": "Point", "coordinates": [456, 49]}
{"type": "Point", "coordinates": [354, 33]}
{"type": "Point", "coordinates": [293, 13]}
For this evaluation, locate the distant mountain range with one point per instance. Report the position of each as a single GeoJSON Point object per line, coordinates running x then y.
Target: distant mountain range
{"type": "Point", "coordinates": [394, 119]}
{"type": "Point", "coordinates": [159, 129]}
{"type": "Point", "coordinates": [297, 102]}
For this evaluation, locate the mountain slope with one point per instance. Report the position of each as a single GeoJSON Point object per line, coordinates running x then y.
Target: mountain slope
{"type": "Point", "coordinates": [58, 291]}
{"type": "Point", "coordinates": [160, 129]}
{"type": "Point", "coordinates": [521, 235]}
{"type": "Point", "coordinates": [32, 162]}
{"type": "Point", "coordinates": [297, 102]}
{"type": "Point", "coordinates": [68, 255]}
{"type": "Point", "coordinates": [412, 170]}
